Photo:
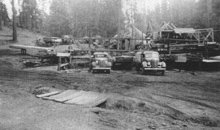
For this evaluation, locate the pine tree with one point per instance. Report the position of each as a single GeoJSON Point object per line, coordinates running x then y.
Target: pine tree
{"type": "Point", "coordinates": [14, 34]}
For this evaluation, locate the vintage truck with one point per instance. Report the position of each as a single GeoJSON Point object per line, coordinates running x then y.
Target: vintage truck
{"type": "Point", "coordinates": [101, 63]}
{"type": "Point", "coordinates": [149, 61]}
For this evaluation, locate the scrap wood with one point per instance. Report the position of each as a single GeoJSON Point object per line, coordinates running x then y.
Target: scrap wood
{"type": "Point", "coordinates": [68, 97]}
{"type": "Point", "coordinates": [97, 101]}
{"type": "Point", "coordinates": [91, 98]}
{"type": "Point", "coordinates": [60, 95]}
{"type": "Point", "coordinates": [48, 94]}
{"type": "Point", "coordinates": [85, 97]}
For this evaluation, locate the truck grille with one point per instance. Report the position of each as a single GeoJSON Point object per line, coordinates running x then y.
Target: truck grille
{"type": "Point", "coordinates": [101, 63]}
{"type": "Point", "coordinates": [154, 63]}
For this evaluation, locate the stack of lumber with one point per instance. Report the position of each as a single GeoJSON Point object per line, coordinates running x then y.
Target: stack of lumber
{"type": "Point", "coordinates": [194, 57]}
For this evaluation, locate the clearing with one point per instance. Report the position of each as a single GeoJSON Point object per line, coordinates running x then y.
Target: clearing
{"type": "Point", "coordinates": [178, 100]}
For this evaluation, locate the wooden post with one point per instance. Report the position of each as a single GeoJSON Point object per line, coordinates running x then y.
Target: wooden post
{"type": "Point", "coordinates": [89, 43]}
{"type": "Point", "coordinates": [41, 60]}
{"type": "Point", "coordinates": [59, 64]}
{"type": "Point", "coordinates": [213, 38]}
{"type": "Point", "coordinates": [90, 68]}
{"type": "Point", "coordinates": [70, 61]}
{"type": "Point", "coordinates": [206, 50]}
{"type": "Point", "coordinates": [169, 49]}
{"type": "Point", "coordinates": [117, 44]}
{"type": "Point", "coordinates": [129, 45]}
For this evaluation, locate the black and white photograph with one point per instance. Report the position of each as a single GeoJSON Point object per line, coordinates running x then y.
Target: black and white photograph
{"type": "Point", "coordinates": [109, 64]}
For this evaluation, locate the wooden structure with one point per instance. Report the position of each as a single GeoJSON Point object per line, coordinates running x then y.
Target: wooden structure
{"type": "Point", "coordinates": [165, 27]}
{"type": "Point", "coordinates": [84, 98]}
{"type": "Point", "coordinates": [62, 55]}
{"type": "Point", "coordinates": [193, 35]}
{"type": "Point", "coordinates": [185, 39]}
{"type": "Point", "coordinates": [203, 35]}
{"type": "Point", "coordinates": [24, 48]}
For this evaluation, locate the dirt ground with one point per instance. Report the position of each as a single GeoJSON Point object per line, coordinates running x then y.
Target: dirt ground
{"type": "Point", "coordinates": [178, 100]}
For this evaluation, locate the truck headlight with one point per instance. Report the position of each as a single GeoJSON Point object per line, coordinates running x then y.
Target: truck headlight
{"type": "Point", "coordinates": [93, 63]}
{"type": "Point", "coordinates": [144, 64]}
{"type": "Point", "coordinates": [159, 64]}
{"type": "Point", "coordinates": [109, 64]}
{"type": "Point", "coordinates": [148, 64]}
{"type": "Point", "coordinates": [163, 64]}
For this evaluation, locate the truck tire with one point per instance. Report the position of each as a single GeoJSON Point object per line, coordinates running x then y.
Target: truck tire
{"type": "Point", "coordinates": [113, 66]}
{"type": "Point", "coordinates": [143, 72]}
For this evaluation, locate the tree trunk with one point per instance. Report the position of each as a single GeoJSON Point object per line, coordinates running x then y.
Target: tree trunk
{"type": "Point", "coordinates": [1, 13]}
{"type": "Point", "coordinates": [0, 23]}
{"type": "Point", "coordinates": [209, 8]}
{"type": "Point", "coordinates": [14, 23]}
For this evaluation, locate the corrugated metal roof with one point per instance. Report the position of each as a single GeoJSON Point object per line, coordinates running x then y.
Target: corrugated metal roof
{"type": "Point", "coordinates": [184, 30]}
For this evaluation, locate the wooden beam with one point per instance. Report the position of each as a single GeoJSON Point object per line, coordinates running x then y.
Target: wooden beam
{"type": "Point", "coordinates": [59, 64]}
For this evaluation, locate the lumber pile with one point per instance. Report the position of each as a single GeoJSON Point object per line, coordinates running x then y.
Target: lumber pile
{"type": "Point", "coordinates": [194, 57]}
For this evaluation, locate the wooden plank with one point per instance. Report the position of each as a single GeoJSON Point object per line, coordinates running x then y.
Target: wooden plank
{"type": "Point", "coordinates": [98, 102]}
{"type": "Point", "coordinates": [48, 94]}
{"type": "Point", "coordinates": [91, 99]}
{"type": "Point", "coordinates": [85, 97]}
{"type": "Point", "coordinates": [17, 46]}
{"type": "Point", "coordinates": [63, 54]}
{"type": "Point", "coordinates": [78, 98]}
{"type": "Point", "coordinates": [89, 96]}
{"type": "Point", "coordinates": [63, 99]}
{"type": "Point", "coordinates": [102, 98]}
{"type": "Point", "coordinates": [63, 94]}
{"type": "Point", "coordinates": [211, 61]}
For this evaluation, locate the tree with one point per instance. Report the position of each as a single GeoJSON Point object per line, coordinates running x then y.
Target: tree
{"type": "Point", "coordinates": [30, 14]}
{"type": "Point", "coordinates": [84, 17]}
{"type": "Point", "coordinates": [3, 15]}
{"type": "Point", "coordinates": [14, 34]}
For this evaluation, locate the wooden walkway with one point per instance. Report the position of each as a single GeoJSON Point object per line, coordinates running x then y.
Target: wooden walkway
{"type": "Point", "coordinates": [85, 98]}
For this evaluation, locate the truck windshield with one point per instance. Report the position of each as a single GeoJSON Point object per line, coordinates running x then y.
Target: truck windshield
{"type": "Point", "coordinates": [100, 56]}
{"type": "Point", "coordinates": [151, 55]}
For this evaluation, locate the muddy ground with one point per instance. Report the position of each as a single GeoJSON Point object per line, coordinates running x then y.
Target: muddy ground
{"type": "Point", "coordinates": [178, 100]}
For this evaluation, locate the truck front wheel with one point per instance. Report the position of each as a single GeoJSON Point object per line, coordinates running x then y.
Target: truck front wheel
{"type": "Point", "coordinates": [142, 71]}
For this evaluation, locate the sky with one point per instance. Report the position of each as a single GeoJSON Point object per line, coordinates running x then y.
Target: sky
{"type": "Point", "coordinates": [141, 4]}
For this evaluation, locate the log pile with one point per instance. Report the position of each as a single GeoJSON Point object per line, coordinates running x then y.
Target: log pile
{"type": "Point", "coordinates": [194, 57]}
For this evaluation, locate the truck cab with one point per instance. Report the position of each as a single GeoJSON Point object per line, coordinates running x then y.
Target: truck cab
{"type": "Point", "coordinates": [149, 61]}
{"type": "Point", "coordinates": [101, 62]}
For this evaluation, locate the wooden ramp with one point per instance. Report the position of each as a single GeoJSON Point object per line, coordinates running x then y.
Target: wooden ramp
{"type": "Point", "coordinates": [85, 98]}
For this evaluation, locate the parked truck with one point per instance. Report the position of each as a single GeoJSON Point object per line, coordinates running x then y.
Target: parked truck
{"type": "Point", "coordinates": [101, 63]}
{"type": "Point", "coordinates": [149, 61]}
